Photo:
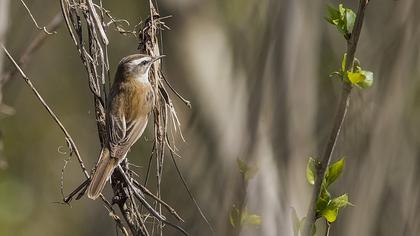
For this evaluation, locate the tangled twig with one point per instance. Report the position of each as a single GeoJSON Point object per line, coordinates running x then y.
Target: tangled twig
{"type": "Point", "coordinates": [33, 20]}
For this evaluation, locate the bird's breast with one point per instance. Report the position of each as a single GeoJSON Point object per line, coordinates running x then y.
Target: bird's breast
{"type": "Point", "coordinates": [139, 101]}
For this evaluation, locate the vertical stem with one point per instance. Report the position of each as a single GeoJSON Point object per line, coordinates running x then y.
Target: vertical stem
{"type": "Point", "coordinates": [339, 118]}
{"type": "Point", "coordinates": [341, 114]}
{"type": "Point", "coordinates": [327, 229]}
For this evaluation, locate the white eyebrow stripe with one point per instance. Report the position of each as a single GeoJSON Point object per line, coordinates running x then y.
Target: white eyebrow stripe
{"type": "Point", "coordinates": [138, 61]}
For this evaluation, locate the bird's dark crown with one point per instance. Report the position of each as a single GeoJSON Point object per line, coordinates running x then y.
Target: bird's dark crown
{"type": "Point", "coordinates": [133, 57]}
{"type": "Point", "coordinates": [133, 66]}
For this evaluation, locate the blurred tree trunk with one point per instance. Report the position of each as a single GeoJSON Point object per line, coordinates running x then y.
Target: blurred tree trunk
{"type": "Point", "coordinates": [4, 17]}
{"type": "Point", "coordinates": [391, 154]}
{"type": "Point", "coordinates": [300, 71]}
{"type": "Point", "coordinates": [4, 22]}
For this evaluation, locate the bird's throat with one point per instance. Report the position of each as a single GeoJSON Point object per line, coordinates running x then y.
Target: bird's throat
{"type": "Point", "coordinates": [143, 78]}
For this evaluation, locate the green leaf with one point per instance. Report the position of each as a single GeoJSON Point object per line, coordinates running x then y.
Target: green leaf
{"type": "Point", "coordinates": [303, 222]}
{"type": "Point", "coordinates": [361, 78]}
{"type": "Point", "coordinates": [243, 167]}
{"type": "Point", "coordinates": [313, 229]}
{"type": "Point", "coordinates": [330, 214]}
{"type": "Point", "coordinates": [356, 64]}
{"type": "Point", "coordinates": [368, 81]}
{"type": "Point", "coordinates": [247, 171]}
{"type": "Point", "coordinates": [341, 21]}
{"type": "Point", "coordinates": [333, 15]}
{"type": "Point", "coordinates": [234, 217]}
{"type": "Point", "coordinates": [336, 74]}
{"type": "Point", "coordinates": [343, 18]}
{"type": "Point", "coordinates": [334, 171]}
{"type": "Point", "coordinates": [296, 222]}
{"type": "Point", "coordinates": [238, 218]}
{"type": "Point", "coordinates": [343, 63]}
{"type": "Point", "coordinates": [340, 202]}
{"type": "Point", "coordinates": [323, 199]}
{"type": "Point", "coordinates": [311, 170]}
{"type": "Point", "coordinates": [251, 219]}
{"type": "Point", "coordinates": [355, 77]}
{"type": "Point", "coordinates": [350, 18]}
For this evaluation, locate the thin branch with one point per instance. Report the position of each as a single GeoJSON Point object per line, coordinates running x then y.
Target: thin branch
{"type": "Point", "coordinates": [338, 121]}
{"type": "Point", "coordinates": [33, 19]}
{"type": "Point", "coordinates": [143, 228]}
{"type": "Point", "coordinates": [185, 101]}
{"type": "Point", "coordinates": [327, 228]}
{"type": "Point", "coordinates": [114, 215]}
{"type": "Point", "coordinates": [80, 188]}
{"type": "Point", "coordinates": [34, 45]}
{"type": "Point", "coordinates": [166, 205]}
{"type": "Point", "coordinates": [97, 22]}
{"type": "Point", "coordinates": [24, 59]}
{"type": "Point", "coordinates": [65, 9]}
{"type": "Point", "coordinates": [72, 146]}
{"type": "Point", "coordinates": [203, 216]}
{"type": "Point", "coordinates": [141, 198]}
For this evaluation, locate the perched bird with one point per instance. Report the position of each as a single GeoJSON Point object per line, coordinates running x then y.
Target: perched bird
{"type": "Point", "coordinates": [130, 101]}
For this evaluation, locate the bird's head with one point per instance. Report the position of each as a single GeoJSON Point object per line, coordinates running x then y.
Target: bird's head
{"type": "Point", "coordinates": [136, 66]}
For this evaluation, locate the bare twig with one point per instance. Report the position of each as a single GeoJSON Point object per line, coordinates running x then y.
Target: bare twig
{"type": "Point", "coordinates": [33, 19]}
{"type": "Point", "coordinates": [189, 191]}
{"type": "Point", "coordinates": [185, 101]}
{"type": "Point", "coordinates": [338, 121]}
{"type": "Point", "coordinates": [97, 22]}
{"type": "Point", "coordinates": [139, 218]}
{"type": "Point", "coordinates": [23, 61]}
{"type": "Point", "coordinates": [114, 215]}
{"type": "Point", "coordinates": [80, 188]}
{"type": "Point", "coordinates": [327, 228]}
{"type": "Point", "coordinates": [141, 198]}
{"type": "Point", "coordinates": [166, 205]}
{"type": "Point", "coordinates": [34, 45]}
{"type": "Point", "coordinates": [73, 146]}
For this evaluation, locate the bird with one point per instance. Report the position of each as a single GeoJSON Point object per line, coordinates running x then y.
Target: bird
{"type": "Point", "coordinates": [131, 100]}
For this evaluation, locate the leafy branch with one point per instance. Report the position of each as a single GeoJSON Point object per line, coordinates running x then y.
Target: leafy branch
{"type": "Point", "coordinates": [351, 74]}
{"type": "Point", "coordinates": [239, 214]}
{"type": "Point", "coordinates": [327, 206]}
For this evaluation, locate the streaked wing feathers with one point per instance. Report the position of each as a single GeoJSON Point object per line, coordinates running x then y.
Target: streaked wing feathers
{"type": "Point", "coordinates": [125, 135]}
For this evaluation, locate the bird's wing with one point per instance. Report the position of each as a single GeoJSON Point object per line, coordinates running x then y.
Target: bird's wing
{"type": "Point", "coordinates": [123, 134]}
{"type": "Point", "coordinates": [117, 128]}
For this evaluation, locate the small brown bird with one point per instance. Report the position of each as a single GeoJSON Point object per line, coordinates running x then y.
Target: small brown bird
{"type": "Point", "coordinates": [130, 102]}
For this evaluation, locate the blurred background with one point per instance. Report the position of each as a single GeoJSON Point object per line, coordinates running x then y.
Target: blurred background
{"type": "Point", "coordinates": [257, 74]}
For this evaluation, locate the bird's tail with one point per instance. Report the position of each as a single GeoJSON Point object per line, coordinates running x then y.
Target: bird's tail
{"type": "Point", "coordinates": [103, 171]}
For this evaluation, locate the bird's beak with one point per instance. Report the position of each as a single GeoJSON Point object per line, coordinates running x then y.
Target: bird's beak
{"type": "Point", "coordinates": [157, 58]}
